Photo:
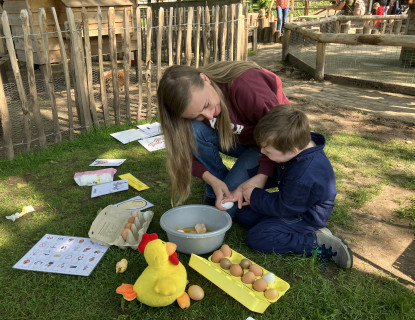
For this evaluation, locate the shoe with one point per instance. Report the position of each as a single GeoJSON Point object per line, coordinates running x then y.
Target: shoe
{"type": "Point", "coordinates": [209, 201]}
{"type": "Point", "coordinates": [330, 247]}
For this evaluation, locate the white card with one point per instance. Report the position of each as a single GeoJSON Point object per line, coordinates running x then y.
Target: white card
{"type": "Point", "coordinates": [107, 162]}
{"type": "Point", "coordinates": [63, 254]}
{"type": "Point", "coordinates": [130, 135]}
{"type": "Point", "coordinates": [150, 129]}
{"type": "Point", "coordinates": [110, 187]}
{"type": "Point", "coordinates": [153, 143]}
{"type": "Point", "coordinates": [136, 203]}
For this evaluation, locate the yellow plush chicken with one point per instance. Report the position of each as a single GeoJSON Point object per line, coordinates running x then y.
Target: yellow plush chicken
{"type": "Point", "coordinates": [163, 281]}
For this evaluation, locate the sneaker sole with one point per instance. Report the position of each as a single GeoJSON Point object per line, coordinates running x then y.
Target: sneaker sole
{"type": "Point", "coordinates": [344, 257]}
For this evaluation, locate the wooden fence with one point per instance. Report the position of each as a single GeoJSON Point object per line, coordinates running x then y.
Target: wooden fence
{"type": "Point", "coordinates": [191, 36]}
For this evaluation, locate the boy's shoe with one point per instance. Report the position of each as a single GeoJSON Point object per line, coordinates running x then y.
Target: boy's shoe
{"type": "Point", "coordinates": [329, 247]}
{"type": "Point", "coordinates": [209, 201]}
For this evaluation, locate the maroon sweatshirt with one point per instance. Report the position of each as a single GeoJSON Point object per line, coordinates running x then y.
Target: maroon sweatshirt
{"type": "Point", "coordinates": [249, 98]}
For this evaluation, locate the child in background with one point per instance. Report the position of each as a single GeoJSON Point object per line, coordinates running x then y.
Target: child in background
{"type": "Point", "coordinates": [379, 11]}
{"type": "Point", "coordinates": [293, 219]}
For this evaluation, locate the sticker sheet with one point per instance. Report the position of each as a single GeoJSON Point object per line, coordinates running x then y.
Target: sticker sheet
{"type": "Point", "coordinates": [110, 187]}
{"type": "Point", "coordinates": [153, 143]}
{"type": "Point", "coordinates": [63, 254]}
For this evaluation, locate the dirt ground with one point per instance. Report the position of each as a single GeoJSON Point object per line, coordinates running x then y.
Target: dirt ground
{"type": "Point", "coordinates": [383, 243]}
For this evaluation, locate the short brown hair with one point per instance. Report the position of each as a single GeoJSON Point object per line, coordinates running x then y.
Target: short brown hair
{"type": "Point", "coordinates": [283, 128]}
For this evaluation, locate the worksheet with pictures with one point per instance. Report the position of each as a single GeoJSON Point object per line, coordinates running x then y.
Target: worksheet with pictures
{"type": "Point", "coordinates": [63, 254]}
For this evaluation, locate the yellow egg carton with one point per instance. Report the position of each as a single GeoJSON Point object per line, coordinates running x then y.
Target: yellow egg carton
{"type": "Point", "coordinates": [242, 292]}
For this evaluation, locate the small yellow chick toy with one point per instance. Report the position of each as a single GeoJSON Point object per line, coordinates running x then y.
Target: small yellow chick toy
{"type": "Point", "coordinates": [163, 281]}
{"type": "Point", "coordinates": [121, 266]}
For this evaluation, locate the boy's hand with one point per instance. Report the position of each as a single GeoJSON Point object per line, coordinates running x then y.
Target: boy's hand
{"type": "Point", "coordinates": [247, 194]}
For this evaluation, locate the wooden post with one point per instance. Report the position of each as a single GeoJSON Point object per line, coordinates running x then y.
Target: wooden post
{"type": "Point", "coordinates": [197, 49]}
{"type": "Point", "coordinates": [260, 30]}
{"type": "Point", "coordinates": [179, 35]}
{"type": "Point", "coordinates": [224, 33]}
{"type": "Point", "coordinates": [18, 78]}
{"type": "Point", "coordinates": [37, 117]}
{"type": "Point", "coordinates": [103, 87]}
{"type": "Point", "coordinates": [127, 60]}
{"type": "Point", "coordinates": [79, 71]}
{"type": "Point", "coordinates": [133, 24]}
{"type": "Point", "coordinates": [6, 123]}
{"type": "Point", "coordinates": [245, 37]}
{"type": "Point", "coordinates": [88, 62]}
{"type": "Point", "coordinates": [148, 62]}
{"type": "Point", "coordinates": [231, 29]}
{"type": "Point", "coordinates": [159, 42]}
{"type": "Point", "coordinates": [170, 36]}
{"type": "Point", "coordinates": [189, 30]}
{"type": "Point", "coordinates": [273, 33]}
{"type": "Point", "coordinates": [114, 67]}
{"type": "Point", "coordinates": [320, 61]}
{"type": "Point", "coordinates": [215, 15]}
{"type": "Point", "coordinates": [140, 69]}
{"type": "Point", "coordinates": [64, 64]}
{"type": "Point", "coordinates": [206, 37]}
{"type": "Point", "coordinates": [239, 36]}
{"type": "Point", "coordinates": [285, 44]}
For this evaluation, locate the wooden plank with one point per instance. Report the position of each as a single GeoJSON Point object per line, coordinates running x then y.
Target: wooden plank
{"type": "Point", "coordinates": [245, 35]}
{"type": "Point", "coordinates": [285, 43]}
{"type": "Point", "coordinates": [320, 61]}
{"type": "Point", "coordinates": [148, 62]}
{"type": "Point", "coordinates": [215, 15]}
{"type": "Point", "coordinates": [140, 70]}
{"type": "Point", "coordinates": [88, 63]}
{"type": "Point", "coordinates": [103, 88]}
{"type": "Point", "coordinates": [79, 72]}
{"type": "Point", "coordinates": [197, 49]}
{"type": "Point", "coordinates": [170, 36]}
{"type": "Point", "coordinates": [189, 30]}
{"type": "Point", "coordinates": [49, 78]}
{"type": "Point", "coordinates": [179, 34]}
{"type": "Point", "coordinates": [114, 68]}
{"type": "Point", "coordinates": [206, 37]}
{"type": "Point", "coordinates": [66, 73]}
{"type": "Point", "coordinates": [159, 43]}
{"type": "Point", "coordinates": [6, 125]}
{"type": "Point", "coordinates": [224, 33]}
{"type": "Point", "coordinates": [231, 29]}
{"type": "Point", "coordinates": [18, 79]}
{"type": "Point", "coordinates": [239, 32]}
{"type": "Point", "coordinates": [127, 61]}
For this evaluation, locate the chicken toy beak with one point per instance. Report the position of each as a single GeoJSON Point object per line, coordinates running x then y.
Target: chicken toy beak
{"type": "Point", "coordinates": [171, 248]}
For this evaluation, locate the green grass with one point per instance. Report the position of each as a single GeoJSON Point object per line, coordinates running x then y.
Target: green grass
{"type": "Point", "coordinates": [45, 180]}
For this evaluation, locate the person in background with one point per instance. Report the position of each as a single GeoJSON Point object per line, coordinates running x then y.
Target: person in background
{"type": "Point", "coordinates": [212, 110]}
{"type": "Point", "coordinates": [283, 8]}
{"type": "Point", "coordinates": [379, 12]}
{"type": "Point", "coordinates": [294, 218]}
{"type": "Point", "coordinates": [345, 5]}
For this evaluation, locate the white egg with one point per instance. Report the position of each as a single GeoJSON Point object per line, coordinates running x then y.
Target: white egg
{"type": "Point", "coordinates": [269, 277]}
{"type": "Point", "coordinates": [226, 205]}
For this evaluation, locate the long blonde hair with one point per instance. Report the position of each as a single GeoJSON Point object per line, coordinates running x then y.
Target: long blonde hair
{"type": "Point", "coordinates": [173, 97]}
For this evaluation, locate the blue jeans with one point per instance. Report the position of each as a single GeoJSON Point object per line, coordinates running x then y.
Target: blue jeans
{"type": "Point", "coordinates": [208, 148]}
{"type": "Point", "coordinates": [282, 15]}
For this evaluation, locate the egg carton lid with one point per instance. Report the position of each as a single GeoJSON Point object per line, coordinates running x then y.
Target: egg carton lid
{"type": "Point", "coordinates": [109, 224]}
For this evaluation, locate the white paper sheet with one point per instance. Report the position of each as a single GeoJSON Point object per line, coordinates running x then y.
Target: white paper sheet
{"type": "Point", "coordinates": [153, 143]}
{"type": "Point", "coordinates": [150, 129]}
{"type": "Point", "coordinates": [130, 135]}
{"type": "Point", "coordinates": [136, 203]}
{"type": "Point", "coordinates": [63, 254]}
{"type": "Point", "coordinates": [107, 162]}
{"type": "Point", "coordinates": [110, 187]}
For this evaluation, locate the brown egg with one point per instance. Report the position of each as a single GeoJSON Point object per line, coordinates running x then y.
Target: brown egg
{"type": "Point", "coordinates": [227, 252]}
{"type": "Point", "coordinates": [248, 277]}
{"type": "Point", "coordinates": [245, 263]}
{"type": "Point", "coordinates": [128, 225]}
{"type": "Point", "coordinates": [260, 285]}
{"type": "Point", "coordinates": [216, 256]}
{"type": "Point", "coordinates": [195, 292]}
{"type": "Point", "coordinates": [256, 269]}
{"type": "Point", "coordinates": [236, 270]}
{"type": "Point", "coordinates": [131, 220]}
{"type": "Point", "coordinates": [225, 263]}
{"type": "Point", "coordinates": [271, 294]}
{"type": "Point", "coordinates": [124, 234]}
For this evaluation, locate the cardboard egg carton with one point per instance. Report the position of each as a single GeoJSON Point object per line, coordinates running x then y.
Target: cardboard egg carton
{"type": "Point", "coordinates": [240, 291]}
{"type": "Point", "coordinates": [110, 223]}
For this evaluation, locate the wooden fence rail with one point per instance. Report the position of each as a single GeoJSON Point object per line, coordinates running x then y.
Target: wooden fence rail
{"type": "Point", "coordinates": [190, 36]}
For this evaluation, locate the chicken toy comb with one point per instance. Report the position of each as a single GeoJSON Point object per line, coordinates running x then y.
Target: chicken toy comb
{"type": "Point", "coordinates": [146, 239]}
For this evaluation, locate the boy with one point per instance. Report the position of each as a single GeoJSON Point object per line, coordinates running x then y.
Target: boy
{"type": "Point", "coordinates": [293, 219]}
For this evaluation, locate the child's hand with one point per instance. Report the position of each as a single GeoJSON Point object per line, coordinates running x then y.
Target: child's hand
{"type": "Point", "coordinates": [247, 194]}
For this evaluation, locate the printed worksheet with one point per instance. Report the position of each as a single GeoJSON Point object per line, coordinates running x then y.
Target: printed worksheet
{"type": "Point", "coordinates": [153, 143]}
{"type": "Point", "coordinates": [63, 254]}
{"type": "Point", "coordinates": [110, 187]}
{"type": "Point", "coordinates": [150, 129]}
{"type": "Point", "coordinates": [107, 162]}
{"type": "Point", "coordinates": [130, 135]}
{"type": "Point", "coordinates": [136, 203]}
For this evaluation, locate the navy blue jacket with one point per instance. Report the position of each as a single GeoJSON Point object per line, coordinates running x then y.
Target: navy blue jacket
{"type": "Point", "coordinates": [306, 187]}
